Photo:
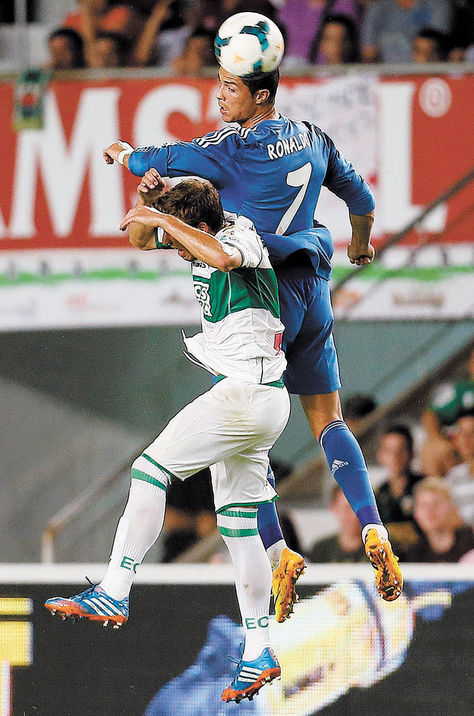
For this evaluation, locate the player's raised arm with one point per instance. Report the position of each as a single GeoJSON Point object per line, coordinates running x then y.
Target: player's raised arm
{"type": "Point", "coordinates": [192, 243]}
{"type": "Point", "coordinates": [118, 152]}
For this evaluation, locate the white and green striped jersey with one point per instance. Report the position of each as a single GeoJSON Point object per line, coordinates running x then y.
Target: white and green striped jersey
{"type": "Point", "coordinates": [240, 312]}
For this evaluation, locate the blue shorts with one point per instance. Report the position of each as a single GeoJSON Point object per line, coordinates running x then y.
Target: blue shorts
{"type": "Point", "coordinates": [306, 313]}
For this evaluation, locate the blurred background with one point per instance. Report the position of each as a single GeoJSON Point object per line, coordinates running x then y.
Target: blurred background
{"type": "Point", "coordinates": [90, 362]}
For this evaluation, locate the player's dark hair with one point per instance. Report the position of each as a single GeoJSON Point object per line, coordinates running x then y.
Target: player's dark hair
{"type": "Point", "coordinates": [75, 41]}
{"type": "Point", "coordinates": [404, 432]}
{"type": "Point", "coordinates": [268, 81]}
{"type": "Point", "coordinates": [193, 201]}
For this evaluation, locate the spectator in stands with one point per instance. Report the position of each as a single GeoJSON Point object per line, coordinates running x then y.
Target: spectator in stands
{"type": "Point", "coordinates": [66, 50]}
{"type": "Point", "coordinates": [346, 545]}
{"type": "Point", "coordinates": [190, 514]}
{"type": "Point", "coordinates": [461, 477]}
{"type": "Point", "coordinates": [450, 400]}
{"type": "Point", "coordinates": [303, 22]}
{"type": "Point", "coordinates": [93, 16]}
{"type": "Point", "coordinates": [214, 12]}
{"type": "Point", "coordinates": [461, 38]}
{"type": "Point", "coordinates": [109, 49]}
{"type": "Point", "coordinates": [443, 537]}
{"type": "Point", "coordinates": [198, 54]}
{"type": "Point", "coordinates": [395, 496]}
{"type": "Point", "coordinates": [338, 42]}
{"type": "Point", "coordinates": [165, 33]}
{"type": "Point", "coordinates": [429, 46]}
{"type": "Point", "coordinates": [389, 27]}
{"type": "Point", "coordinates": [356, 408]}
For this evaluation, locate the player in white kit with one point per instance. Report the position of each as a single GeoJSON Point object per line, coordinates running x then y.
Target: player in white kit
{"type": "Point", "coordinates": [229, 428]}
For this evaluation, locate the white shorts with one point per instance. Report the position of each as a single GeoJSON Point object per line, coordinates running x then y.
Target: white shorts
{"type": "Point", "coordinates": [230, 428]}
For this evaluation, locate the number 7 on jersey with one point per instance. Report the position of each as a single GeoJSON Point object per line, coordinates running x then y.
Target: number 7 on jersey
{"type": "Point", "coordinates": [298, 177]}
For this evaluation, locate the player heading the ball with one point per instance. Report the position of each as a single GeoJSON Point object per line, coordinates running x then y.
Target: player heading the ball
{"type": "Point", "coordinates": [249, 44]}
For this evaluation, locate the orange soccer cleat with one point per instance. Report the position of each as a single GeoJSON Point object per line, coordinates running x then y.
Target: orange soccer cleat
{"type": "Point", "coordinates": [388, 577]}
{"type": "Point", "coordinates": [285, 576]}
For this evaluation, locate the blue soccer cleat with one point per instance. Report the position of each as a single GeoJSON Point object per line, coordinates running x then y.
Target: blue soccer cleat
{"type": "Point", "coordinates": [93, 604]}
{"type": "Point", "coordinates": [251, 676]}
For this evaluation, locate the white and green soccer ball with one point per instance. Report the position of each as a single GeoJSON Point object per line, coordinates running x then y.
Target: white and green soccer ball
{"type": "Point", "coordinates": [249, 44]}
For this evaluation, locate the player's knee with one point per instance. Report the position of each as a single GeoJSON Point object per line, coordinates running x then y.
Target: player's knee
{"type": "Point", "coordinates": [149, 472]}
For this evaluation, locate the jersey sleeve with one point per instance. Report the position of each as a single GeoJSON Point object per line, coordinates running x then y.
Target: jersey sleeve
{"type": "Point", "coordinates": [200, 157]}
{"type": "Point", "coordinates": [342, 179]}
{"type": "Point", "coordinates": [243, 237]}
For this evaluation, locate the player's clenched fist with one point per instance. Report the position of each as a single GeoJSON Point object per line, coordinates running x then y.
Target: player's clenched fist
{"type": "Point", "coordinates": [118, 152]}
{"type": "Point", "coordinates": [360, 255]}
{"type": "Point", "coordinates": [151, 181]}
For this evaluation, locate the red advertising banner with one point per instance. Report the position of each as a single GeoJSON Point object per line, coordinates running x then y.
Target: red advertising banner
{"type": "Point", "coordinates": [64, 262]}
{"type": "Point", "coordinates": [410, 136]}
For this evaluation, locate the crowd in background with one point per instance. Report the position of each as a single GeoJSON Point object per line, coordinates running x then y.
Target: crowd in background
{"type": "Point", "coordinates": [429, 510]}
{"type": "Point", "coordinates": [178, 35]}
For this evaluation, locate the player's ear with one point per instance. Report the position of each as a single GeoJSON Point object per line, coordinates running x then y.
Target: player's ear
{"type": "Point", "coordinates": [262, 96]}
{"type": "Point", "coordinates": [202, 226]}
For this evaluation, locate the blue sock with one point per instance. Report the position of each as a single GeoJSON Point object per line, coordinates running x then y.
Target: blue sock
{"type": "Point", "coordinates": [348, 467]}
{"type": "Point", "coordinates": [268, 523]}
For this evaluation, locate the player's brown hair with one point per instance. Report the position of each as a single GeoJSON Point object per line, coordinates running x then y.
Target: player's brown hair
{"type": "Point", "coordinates": [193, 201]}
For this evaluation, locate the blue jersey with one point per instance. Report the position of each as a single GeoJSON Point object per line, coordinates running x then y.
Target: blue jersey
{"type": "Point", "coordinates": [273, 174]}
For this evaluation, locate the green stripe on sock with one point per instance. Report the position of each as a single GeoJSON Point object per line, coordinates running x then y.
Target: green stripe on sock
{"type": "Point", "coordinates": [157, 464]}
{"type": "Point", "coordinates": [139, 475]}
{"type": "Point", "coordinates": [237, 533]}
{"type": "Point", "coordinates": [238, 513]}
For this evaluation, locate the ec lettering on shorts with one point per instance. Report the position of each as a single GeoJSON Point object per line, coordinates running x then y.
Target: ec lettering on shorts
{"type": "Point", "coordinates": [128, 563]}
{"type": "Point", "coordinates": [251, 623]}
{"type": "Point", "coordinates": [201, 291]}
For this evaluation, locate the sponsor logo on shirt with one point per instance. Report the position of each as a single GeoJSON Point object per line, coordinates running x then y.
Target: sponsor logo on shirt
{"type": "Point", "coordinates": [201, 291]}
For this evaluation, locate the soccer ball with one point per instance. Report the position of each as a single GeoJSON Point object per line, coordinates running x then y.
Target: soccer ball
{"type": "Point", "coordinates": [248, 45]}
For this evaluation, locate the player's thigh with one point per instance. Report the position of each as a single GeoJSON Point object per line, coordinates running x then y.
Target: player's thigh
{"type": "Point", "coordinates": [268, 415]}
{"type": "Point", "coordinates": [242, 480]}
{"type": "Point", "coordinates": [196, 437]}
{"type": "Point", "coordinates": [292, 305]}
{"type": "Point", "coordinates": [219, 423]}
{"type": "Point", "coordinates": [313, 366]}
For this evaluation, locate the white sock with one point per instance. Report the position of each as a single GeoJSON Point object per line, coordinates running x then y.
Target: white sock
{"type": "Point", "coordinates": [274, 552]}
{"type": "Point", "coordinates": [137, 530]}
{"type": "Point", "coordinates": [253, 575]}
{"type": "Point", "coordinates": [380, 529]}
